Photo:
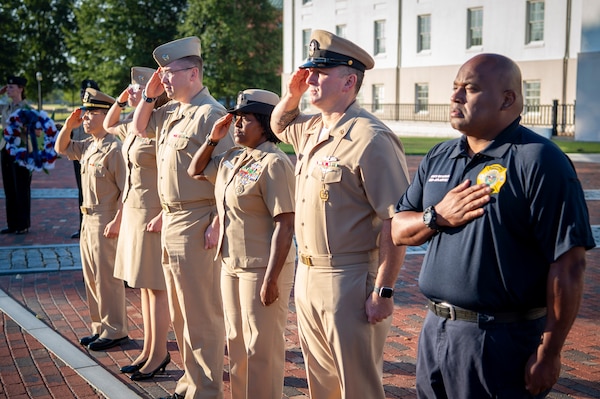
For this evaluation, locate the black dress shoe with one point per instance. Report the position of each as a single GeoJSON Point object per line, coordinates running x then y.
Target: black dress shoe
{"type": "Point", "coordinates": [132, 368]}
{"type": "Point", "coordinates": [85, 341]}
{"type": "Point", "coordinates": [105, 343]}
{"type": "Point", "coordinates": [75, 235]}
{"type": "Point", "coordinates": [174, 396]}
{"type": "Point", "coordinates": [139, 376]}
{"type": "Point", "coordinates": [7, 231]}
{"type": "Point", "coordinates": [22, 231]}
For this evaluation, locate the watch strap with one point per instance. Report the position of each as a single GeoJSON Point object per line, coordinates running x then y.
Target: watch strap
{"type": "Point", "coordinates": [210, 142]}
{"type": "Point", "coordinates": [384, 292]}
{"type": "Point", "coordinates": [146, 98]}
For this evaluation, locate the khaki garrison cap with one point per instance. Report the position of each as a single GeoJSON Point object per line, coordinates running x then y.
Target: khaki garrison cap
{"type": "Point", "coordinates": [255, 101]}
{"type": "Point", "coordinates": [95, 99]}
{"type": "Point", "coordinates": [177, 49]}
{"type": "Point", "coordinates": [141, 75]}
{"type": "Point", "coordinates": [327, 50]}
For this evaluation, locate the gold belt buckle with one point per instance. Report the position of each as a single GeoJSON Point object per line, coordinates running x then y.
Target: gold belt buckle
{"type": "Point", "coordinates": [307, 260]}
{"type": "Point", "coordinates": [85, 210]}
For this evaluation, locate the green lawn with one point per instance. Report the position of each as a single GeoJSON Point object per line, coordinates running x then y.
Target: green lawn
{"type": "Point", "coordinates": [420, 145]}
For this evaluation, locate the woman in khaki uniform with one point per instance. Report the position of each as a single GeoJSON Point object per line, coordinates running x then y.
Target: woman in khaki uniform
{"type": "Point", "coordinates": [138, 259]}
{"type": "Point", "coordinates": [102, 179]}
{"type": "Point", "coordinates": [254, 190]}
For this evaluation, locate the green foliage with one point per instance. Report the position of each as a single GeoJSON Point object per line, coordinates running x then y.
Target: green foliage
{"type": "Point", "coordinates": [32, 41]}
{"type": "Point", "coordinates": [241, 45]}
{"type": "Point", "coordinates": [113, 35]}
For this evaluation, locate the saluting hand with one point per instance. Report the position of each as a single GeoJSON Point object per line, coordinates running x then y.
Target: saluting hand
{"type": "Point", "coordinates": [462, 204]}
{"type": "Point", "coordinates": [154, 88]}
{"type": "Point", "coordinates": [221, 127]}
{"type": "Point", "coordinates": [297, 84]}
{"type": "Point", "coordinates": [74, 119]}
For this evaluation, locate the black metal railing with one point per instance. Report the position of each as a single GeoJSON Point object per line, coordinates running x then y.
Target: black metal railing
{"type": "Point", "coordinates": [559, 117]}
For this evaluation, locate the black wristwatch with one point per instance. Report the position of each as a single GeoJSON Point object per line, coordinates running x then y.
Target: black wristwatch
{"type": "Point", "coordinates": [122, 104]}
{"type": "Point", "coordinates": [384, 292]}
{"type": "Point", "coordinates": [147, 99]}
{"type": "Point", "coordinates": [211, 142]}
{"type": "Point", "coordinates": [430, 218]}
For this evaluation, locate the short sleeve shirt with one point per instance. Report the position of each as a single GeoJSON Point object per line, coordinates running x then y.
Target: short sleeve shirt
{"type": "Point", "coordinates": [499, 262]}
{"type": "Point", "coordinates": [180, 130]}
{"type": "Point", "coordinates": [347, 182]}
{"type": "Point", "coordinates": [252, 187]}
{"type": "Point", "coordinates": [102, 170]}
{"type": "Point", "coordinates": [141, 174]}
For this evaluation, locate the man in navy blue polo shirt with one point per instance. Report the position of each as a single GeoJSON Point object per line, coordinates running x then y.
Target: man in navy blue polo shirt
{"type": "Point", "coordinates": [508, 227]}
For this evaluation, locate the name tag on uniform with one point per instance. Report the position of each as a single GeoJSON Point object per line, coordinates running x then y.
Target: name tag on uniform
{"type": "Point", "coordinates": [228, 164]}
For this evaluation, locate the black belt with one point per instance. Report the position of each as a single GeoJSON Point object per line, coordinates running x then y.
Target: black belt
{"type": "Point", "coordinates": [452, 312]}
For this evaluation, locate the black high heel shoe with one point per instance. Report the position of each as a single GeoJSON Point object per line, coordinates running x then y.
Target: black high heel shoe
{"type": "Point", "coordinates": [138, 376]}
{"type": "Point", "coordinates": [132, 368]}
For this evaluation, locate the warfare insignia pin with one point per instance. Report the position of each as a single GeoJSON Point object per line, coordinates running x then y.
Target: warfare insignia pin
{"type": "Point", "coordinates": [312, 47]}
{"type": "Point", "coordinates": [494, 176]}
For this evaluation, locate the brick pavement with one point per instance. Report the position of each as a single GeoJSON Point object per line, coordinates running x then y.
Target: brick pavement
{"type": "Point", "coordinates": [28, 370]}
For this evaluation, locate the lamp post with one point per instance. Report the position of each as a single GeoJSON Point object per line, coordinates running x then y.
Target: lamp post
{"type": "Point", "coordinates": [38, 77]}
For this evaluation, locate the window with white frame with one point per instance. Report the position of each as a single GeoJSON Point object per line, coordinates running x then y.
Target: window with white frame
{"type": "Point", "coordinates": [532, 91]}
{"type": "Point", "coordinates": [424, 32]}
{"type": "Point", "coordinates": [379, 37]}
{"type": "Point", "coordinates": [340, 30]}
{"type": "Point", "coordinates": [421, 97]}
{"type": "Point", "coordinates": [535, 21]}
{"type": "Point", "coordinates": [377, 98]}
{"type": "Point", "coordinates": [475, 28]}
{"type": "Point", "coordinates": [305, 42]}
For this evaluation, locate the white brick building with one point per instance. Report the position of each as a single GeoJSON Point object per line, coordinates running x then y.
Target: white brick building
{"type": "Point", "coordinates": [418, 46]}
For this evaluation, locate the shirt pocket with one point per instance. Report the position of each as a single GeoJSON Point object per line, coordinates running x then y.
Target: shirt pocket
{"type": "Point", "coordinates": [178, 141]}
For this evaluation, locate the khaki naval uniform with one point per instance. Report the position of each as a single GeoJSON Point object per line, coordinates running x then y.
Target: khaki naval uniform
{"type": "Point", "coordinates": [102, 178]}
{"type": "Point", "coordinates": [347, 182]}
{"type": "Point", "coordinates": [191, 273]}
{"type": "Point", "coordinates": [139, 251]}
{"type": "Point", "coordinates": [252, 187]}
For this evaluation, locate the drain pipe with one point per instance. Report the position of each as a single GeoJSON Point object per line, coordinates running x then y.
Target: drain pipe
{"type": "Point", "coordinates": [567, 51]}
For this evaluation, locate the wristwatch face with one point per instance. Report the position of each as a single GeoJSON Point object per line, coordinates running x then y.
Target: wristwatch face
{"type": "Point", "coordinates": [386, 292]}
{"type": "Point", "coordinates": [428, 216]}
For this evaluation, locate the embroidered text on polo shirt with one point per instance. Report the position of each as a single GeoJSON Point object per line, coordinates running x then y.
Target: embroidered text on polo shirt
{"type": "Point", "coordinates": [439, 178]}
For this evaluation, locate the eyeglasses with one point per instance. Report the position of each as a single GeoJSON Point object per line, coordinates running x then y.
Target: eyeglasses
{"type": "Point", "coordinates": [170, 73]}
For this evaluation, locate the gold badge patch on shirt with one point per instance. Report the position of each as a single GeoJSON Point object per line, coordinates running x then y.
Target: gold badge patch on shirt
{"type": "Point", "coordinates": [494, 176]}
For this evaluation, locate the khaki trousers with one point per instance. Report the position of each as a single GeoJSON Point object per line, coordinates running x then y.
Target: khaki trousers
{"type": "Point", "coordinates": [105, 293]}
{"type": "Point", "coordinates": [193, 286]}
{"type": "Point", "coordinates": [255, 333]}
{"type": "Point", "coordinates": [343, 352]}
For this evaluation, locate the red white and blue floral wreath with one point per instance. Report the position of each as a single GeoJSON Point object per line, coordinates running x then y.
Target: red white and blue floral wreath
{"type": "Point", "coordinates": [30, 137]}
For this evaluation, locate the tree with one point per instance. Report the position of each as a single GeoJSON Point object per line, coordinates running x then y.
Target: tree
{"type": "Point", "coordinates": [32, 39]}
{"type": "Point", "coordinates": [241, 44]}
{"type": "Point", "coordinates": [112, 36]}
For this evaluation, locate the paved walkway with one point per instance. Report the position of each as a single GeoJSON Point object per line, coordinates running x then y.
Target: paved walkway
{"type": "Point", "coordinates": [43, 312]}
